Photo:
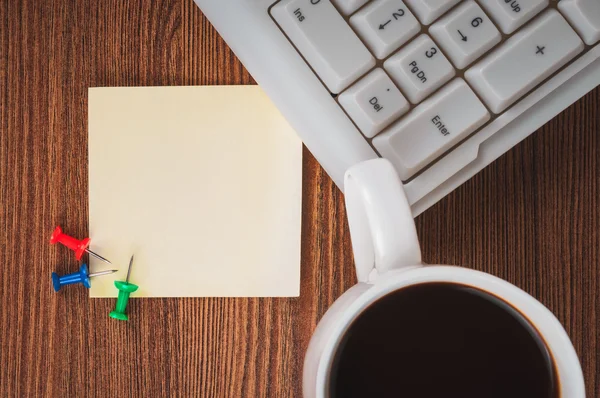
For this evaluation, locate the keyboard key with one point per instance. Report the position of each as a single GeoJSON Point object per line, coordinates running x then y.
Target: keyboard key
{"type": "Point", "coordinates": [584, 15]}
{"type": "Point", "coordinates": [385, 25]}
{"type": "Point", "coordinates": [524, 61]}
{"type": "Point", "coordinates": [374, 102]}
{"type": "Point", "coordinates": [432, 128]}
{"type": "Point", "coordinates": [511, 14]}
{"type": "Point", "coordinates": [465, 34]}
{"type": "Point", "coordinates": [419, 69]}
{"type": "Point", "coordinates": [325, 40]}
{"type": "Point", "coordinates": [347, 7]}
{"type": "Point", "coordinates": [430, 10]}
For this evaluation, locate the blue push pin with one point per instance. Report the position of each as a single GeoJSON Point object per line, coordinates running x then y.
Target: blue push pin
{"type": "Point", "coordinates": [83, 277]}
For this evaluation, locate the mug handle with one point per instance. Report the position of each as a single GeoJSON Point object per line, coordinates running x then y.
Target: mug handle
{"type": "Point", "coordinates": [381, 224]}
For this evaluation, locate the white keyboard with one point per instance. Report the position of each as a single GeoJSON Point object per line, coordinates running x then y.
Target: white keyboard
{"type": "Point", "coordinates": [441, 88]}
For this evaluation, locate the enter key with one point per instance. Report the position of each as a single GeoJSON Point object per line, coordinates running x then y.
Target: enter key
{"type": "Point", "coordinates": [432, 128]}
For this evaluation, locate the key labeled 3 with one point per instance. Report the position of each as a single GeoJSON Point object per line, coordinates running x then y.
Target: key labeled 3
{"type": "Point", "coordinates": [385, 25]}
{"type": "Point", "coordinates": [465, 34]}
{"type": "Point", "coordinates": [419, 69]}
{"type": "Point", "coordinates": [374, 102]}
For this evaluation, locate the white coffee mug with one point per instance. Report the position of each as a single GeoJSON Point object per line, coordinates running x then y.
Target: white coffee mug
{"type": "Point", "coordinates": [388, 257]}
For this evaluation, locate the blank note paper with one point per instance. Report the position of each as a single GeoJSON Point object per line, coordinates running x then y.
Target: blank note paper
{"type": "Point", "coordinates": [202, 184]}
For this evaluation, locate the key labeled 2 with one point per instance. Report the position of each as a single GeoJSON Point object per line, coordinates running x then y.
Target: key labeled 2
{"type": "Point", "coordinates": [385, 25]}
{"type": "Point", "coordinates": [465, 34]}
{"type": "Point", "coordinates": [419, 69]}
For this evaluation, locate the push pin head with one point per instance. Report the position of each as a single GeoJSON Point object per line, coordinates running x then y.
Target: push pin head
{"type": "Point", "coordinates": [82, 276]}
{"type": "Point", "coordinates": [78, 246]}
{"type": "Point", "coordinates": [125, 289]}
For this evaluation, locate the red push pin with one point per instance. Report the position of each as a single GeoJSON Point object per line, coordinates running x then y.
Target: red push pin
{"type": "Point", "coordinates": [78, 246]}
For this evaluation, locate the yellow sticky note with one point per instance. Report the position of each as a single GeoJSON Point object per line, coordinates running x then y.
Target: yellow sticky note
{"type": "Point", "coordinates": [202, 184]}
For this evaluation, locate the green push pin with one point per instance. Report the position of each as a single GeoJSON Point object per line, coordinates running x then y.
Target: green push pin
{"type": "Point", "coordinates": [125, 289]}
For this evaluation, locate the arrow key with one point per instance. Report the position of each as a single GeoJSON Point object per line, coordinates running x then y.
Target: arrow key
{"type": "Point", "coordinates": [385, 25]}
{"type": "Point", "coordinates": [465, 34]}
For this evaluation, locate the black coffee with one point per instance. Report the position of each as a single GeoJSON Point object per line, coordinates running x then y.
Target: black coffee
{"type": "Point", "coordinates": [442, 340]}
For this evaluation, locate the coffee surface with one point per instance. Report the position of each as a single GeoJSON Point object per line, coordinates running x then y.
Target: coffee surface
{"type": "Point", "coordinates": [442, 340]}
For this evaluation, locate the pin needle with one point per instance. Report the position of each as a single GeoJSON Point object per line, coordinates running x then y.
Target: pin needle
{"type": "Point", "coordinates": [99, 257]}
{"type": "Point", "coordinates": [100, 273]}
{"type": "Point", "coordinates": [129, 269]}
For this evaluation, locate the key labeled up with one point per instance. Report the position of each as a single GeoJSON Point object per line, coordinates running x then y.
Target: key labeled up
{"type": "Point", "coordinates": [512, 14]}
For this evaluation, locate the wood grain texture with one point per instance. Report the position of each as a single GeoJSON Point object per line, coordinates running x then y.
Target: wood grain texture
{"type": "Point", "coordinates": [533, 218]}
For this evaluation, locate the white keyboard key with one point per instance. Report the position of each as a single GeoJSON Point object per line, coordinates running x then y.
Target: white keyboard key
{"type": "Point", "coordinates": [419, 69]}
{"type": "Point", "coordinates": [432, 128]}
{"type": "Point", "coordinates": [511, 14]}
{"type": "Point", "coordinates": [430, 10]}
{"type": "Point", "coordinates": [524, 61]}
{"type": "Point", "coordinates": [325, 40]}
{"type": "Point", "coordinates": [465, 34]}
{"type": "Point", "coordinates": [385, 25]}
{"type": "Point", "coordinates": [374, 102]}
{"type": "Point", "coordinates": [347, 7]}
{"type": "Point", "coordinates": [584, 15]}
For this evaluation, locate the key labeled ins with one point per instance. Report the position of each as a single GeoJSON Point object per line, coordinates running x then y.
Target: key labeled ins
{"type": "Point", "coordinates": [419, 69]}
{"type": "Point", "coordinates": [298, 11]}
{"type": "Point", "coordinates": [465, 34]}
{"type": "Point", "coordinates": [385, 25]}
{"type": "Point", "coordinates": [325, 39]}
{"type": "Point", "coordinates": [374, 103]}
{"type": "Point", "coordinates": [432, 128]}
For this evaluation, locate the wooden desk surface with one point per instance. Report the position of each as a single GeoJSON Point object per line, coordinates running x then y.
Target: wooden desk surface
{"type": "Point", "coordinates": [532, 217]}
